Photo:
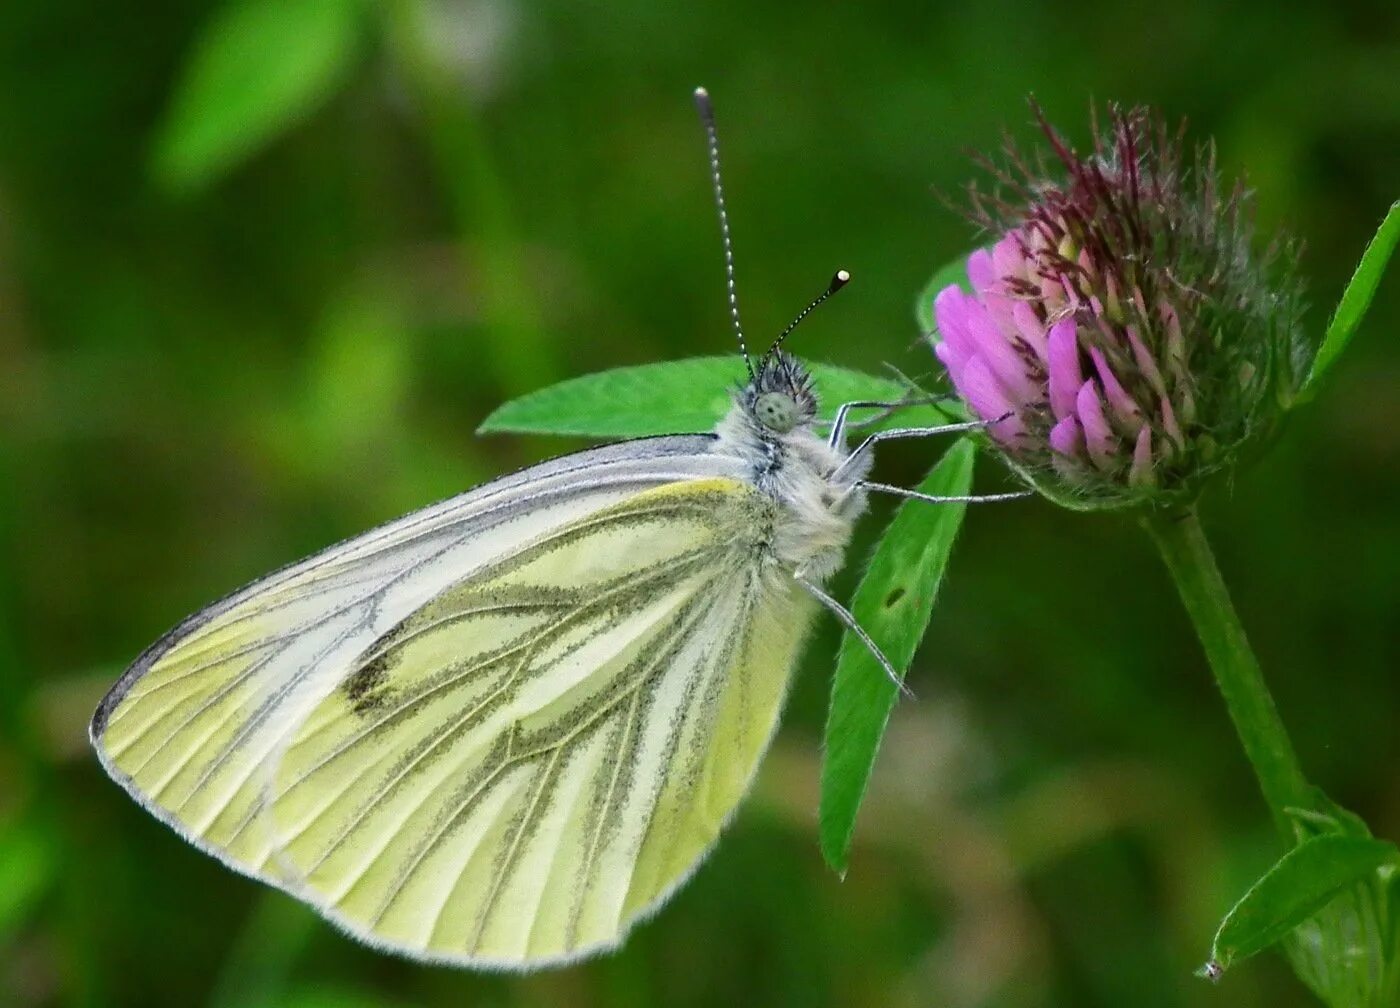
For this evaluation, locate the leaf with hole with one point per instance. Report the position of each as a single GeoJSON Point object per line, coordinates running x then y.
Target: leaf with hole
{"type": "Point", "coordinates": [893, 604]}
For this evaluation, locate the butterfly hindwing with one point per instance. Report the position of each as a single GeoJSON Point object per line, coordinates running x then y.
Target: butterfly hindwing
{"type": "Point", "coordinates": [519, 770]}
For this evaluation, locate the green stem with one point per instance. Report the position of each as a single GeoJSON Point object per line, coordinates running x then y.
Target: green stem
{"type": "Point", "coordinates": [1188, 556]}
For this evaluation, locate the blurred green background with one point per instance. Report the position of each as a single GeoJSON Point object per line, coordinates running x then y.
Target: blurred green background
{"type": "Point", "coordinates": [265, 265]}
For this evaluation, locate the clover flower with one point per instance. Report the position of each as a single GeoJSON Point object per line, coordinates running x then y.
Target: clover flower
{"type": "Point", "coordinates": [1121, 326]}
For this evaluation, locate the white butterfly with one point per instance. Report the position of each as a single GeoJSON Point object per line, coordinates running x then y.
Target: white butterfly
{"type": "Point", "coordinates": [501, 730]}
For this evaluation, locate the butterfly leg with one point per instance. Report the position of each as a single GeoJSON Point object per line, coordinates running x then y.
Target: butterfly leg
{"type": "Point", "coordinates": [892, 409]}
{"type": "Point", "coordinates": [910, 432]}
{"type": "Point", "coordinates": [848, 620]}
{"type": "Point", "coordinates": [932, 499]}
{"type": "Point", "coordinates": [839, 425]}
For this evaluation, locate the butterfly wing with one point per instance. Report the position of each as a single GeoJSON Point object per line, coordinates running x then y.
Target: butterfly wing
{"type": "Point", "coordinates": [191, 723]}
{"type": "Point", "coordinates": [496, 732]}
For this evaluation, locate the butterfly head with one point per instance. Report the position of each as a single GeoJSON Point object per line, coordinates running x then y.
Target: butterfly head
{"type": "Point", "coordinates": [780, 397]}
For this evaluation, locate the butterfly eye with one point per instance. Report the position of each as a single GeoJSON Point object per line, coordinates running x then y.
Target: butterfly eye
{"type": "Point", "coordinates": [776, 411]}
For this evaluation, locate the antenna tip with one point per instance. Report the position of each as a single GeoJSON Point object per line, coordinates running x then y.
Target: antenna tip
{"type": "Point", "coordinates": [702, 100]}
{"type": "Point", "coordinates": [840, 279]}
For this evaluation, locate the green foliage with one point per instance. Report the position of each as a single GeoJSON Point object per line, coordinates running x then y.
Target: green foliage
{"type": "Point", "coordinates": [1356, 299]}
{"type": "Point", "coordinates": [257, 69]}
{"type": "Point", "coordinates": [1303, 881]}
{"type": "Point", "coordinates": [893, 604]}
{"type": "Point", "coordinates": [675, 397]}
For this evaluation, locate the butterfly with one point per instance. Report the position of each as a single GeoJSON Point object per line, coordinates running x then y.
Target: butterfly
{"type": "Point", "coordinates": [501, 730]}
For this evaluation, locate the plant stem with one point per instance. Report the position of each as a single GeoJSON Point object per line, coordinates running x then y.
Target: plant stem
{"type": "Point", "coordinates": [1188, 556]}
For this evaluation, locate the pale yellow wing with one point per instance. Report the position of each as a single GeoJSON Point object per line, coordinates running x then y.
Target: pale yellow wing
{"type": "Point", "coordinates": [190, 729]}
{"type": "Point", "coordinates": [533, 760]}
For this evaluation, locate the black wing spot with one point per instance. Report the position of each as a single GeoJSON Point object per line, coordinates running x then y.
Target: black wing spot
{"type": "Point", "coordinates": [365, 688]}
{"type": "Point", "coordinates": [894, 597]}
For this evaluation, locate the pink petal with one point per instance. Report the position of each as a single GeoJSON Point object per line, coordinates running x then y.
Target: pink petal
{"type": "Point", "coordinates": [992, 346]}
{"type": "Point", "coordinates": [980, 270]}
{"type": "Point", "coordinates": [1124, 408]}
{"type": "Point", "coordinates": [1008, 258]}
{"type": "Point", "coordinates": [1031, 330]}
{"type": "Point", "coordinates": [1086, 263]}
{"type": "Point", "coordinates": [1062, 352]}
{"type": "Point", "coordinates": [1066, 437]}
{"type": "Point", "coordinates": [1169, 422]}
{"type": "Point", "coordinates": [951, 309]}
{"type": "Point", "coordinates": [952, 362]}
{"type": "Point", "coordinates": [1098, 436]}
{"type": "Point", "coordinates": [1038, 238]}
{"type": "Point", "coordinates": [984, 394]}
{"type": "Point", "coordinates": [1144, 360]}
{"type": "Point", "coordinates": [1141, 471]}
{"type": "Point", "coordinates": [999, 306]}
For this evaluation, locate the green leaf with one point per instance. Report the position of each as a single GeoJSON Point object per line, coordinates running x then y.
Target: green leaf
{"type": "Point", "coordinates": [1304, 881]}
{"type": "Point", "coordinates": [893, 604]}
{"type": "Point", "coordinates": [674, 397]}
{"type": "Point", "coordinates": [256, 69]}
{"type": "Point", "coordinates": [1356, 299]}
{"type": "Point", "coordinates": [954, 272]}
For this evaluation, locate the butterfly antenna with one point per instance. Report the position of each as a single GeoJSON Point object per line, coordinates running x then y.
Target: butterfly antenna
{"type": "Point", "coordinates": [838, 280]}
{"type": "Point", "coordinates": [707, 119]}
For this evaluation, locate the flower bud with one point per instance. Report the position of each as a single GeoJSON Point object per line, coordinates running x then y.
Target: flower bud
{"type": "Point", "coordinates": [1123, 338]}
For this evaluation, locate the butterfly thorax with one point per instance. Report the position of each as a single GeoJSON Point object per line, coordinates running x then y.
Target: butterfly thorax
{"type": "Point", "coordinates": [772, 429]}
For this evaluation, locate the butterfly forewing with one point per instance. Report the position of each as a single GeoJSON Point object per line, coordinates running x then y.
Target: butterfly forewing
{"type": "Point", "coordinates": [496, 731]}
{"type": "Point", "coordinates": [190, 727]}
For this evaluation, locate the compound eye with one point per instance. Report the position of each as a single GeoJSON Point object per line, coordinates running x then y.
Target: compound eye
{"type": "Point", "coordinates": [776, 411]}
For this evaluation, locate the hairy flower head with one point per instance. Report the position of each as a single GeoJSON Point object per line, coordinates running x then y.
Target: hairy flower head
{"type": "Point", "coordinates": [1122, 325]}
